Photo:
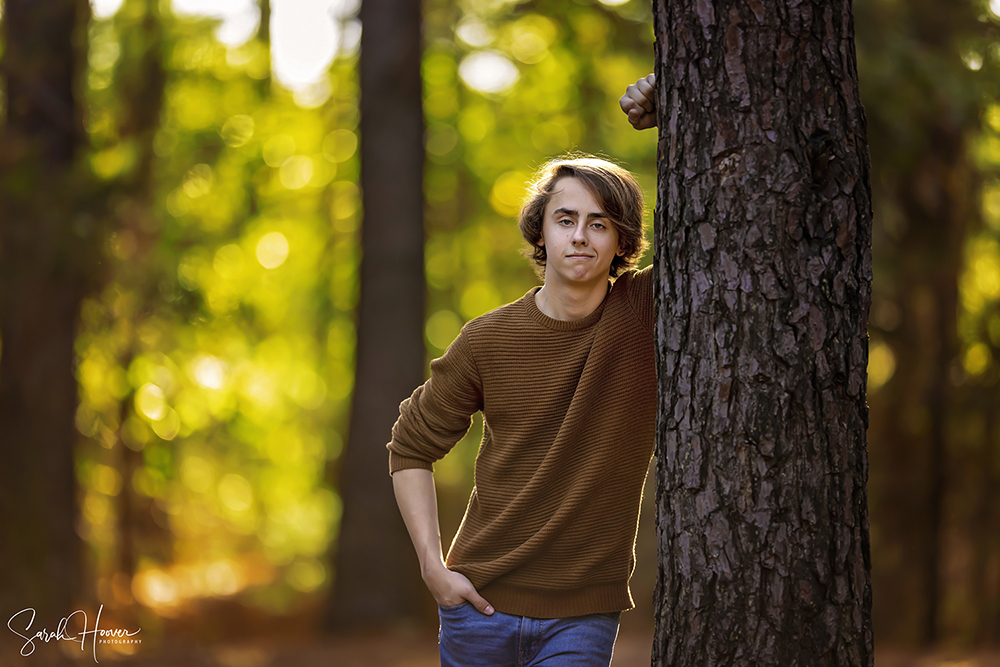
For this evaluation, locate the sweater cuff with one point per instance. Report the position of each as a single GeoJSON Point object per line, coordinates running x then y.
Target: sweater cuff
{"type": "Point", "coordinates": [397, 462]}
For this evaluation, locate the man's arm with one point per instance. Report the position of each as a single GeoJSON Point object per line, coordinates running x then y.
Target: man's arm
{"type": "Point", "coordinates": [417, 500]}
{"type": "Point", "coordinates": [639, 102]}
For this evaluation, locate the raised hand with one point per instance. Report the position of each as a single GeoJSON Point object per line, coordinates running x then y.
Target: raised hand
{"type": "Point", "coordinates": [639, 102]}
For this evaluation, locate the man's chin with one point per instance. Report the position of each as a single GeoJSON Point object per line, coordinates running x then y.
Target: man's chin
{"type": "Point", "coordinates": [582, 277]}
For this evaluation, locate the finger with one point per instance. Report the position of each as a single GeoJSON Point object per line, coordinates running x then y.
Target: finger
{"type": "Point", "coordinates": [627, 104]}
{"type": "Point", "coordinates": [479, 603]}
{"type": "Point", "coordinates": [647, 95]}
{"type": "Point", "coordinates": [643, 121]}
{"type": "Point", "coordinates": [633, 98]}
{"type": "Point", "coordinates": [650, 79]}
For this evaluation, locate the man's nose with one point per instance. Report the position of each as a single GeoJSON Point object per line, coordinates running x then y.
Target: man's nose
{"type": "Point", "coordinates": [579, 235]}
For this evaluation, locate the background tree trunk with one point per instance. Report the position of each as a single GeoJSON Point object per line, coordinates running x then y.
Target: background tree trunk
{"type": "Point", "coordinates": [764, 281]}
{"type": "Point", "coordinates": [44, 260]}
{"type": "Point", "coordinates": [142, 81]}
{"type": "Point", "coordinates": [929, 183]}
{"type": "Point", "coordinates": [377, 581]}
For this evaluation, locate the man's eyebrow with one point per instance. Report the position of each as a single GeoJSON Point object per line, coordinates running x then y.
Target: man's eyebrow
{"type": "Point", "coordinates": [569, 211]}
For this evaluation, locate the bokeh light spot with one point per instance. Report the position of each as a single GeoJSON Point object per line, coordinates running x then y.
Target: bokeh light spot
{"type": "Point", "coordinates": [228, 262]}
{"type": "Point", "coordinates": [488, 72]}
{"type": "Point", "coordinates": [237, 130]}
{"type": "Point", "coordinates": [278, 149]}
{"type": "Point", "coordinates": [977, 359]}
{"type": "Point", "coordinates": [168, 426]}
{"type": "Point", "coordinates": [507, 193]}
{"type": "Point", "coordinates": [235, 492]}
{"type": "Point", "coordinates": [340, 145]}
{"type": "Point", "coordinates": [208, 371]}
{"type": "Point", "coordinates": [881, 365]}
{"type": "Point", "coordinates": [296, 172]}
{"type": "Point", "coordinates": [149, 401]}
{"type": "Point", "coordinates": [306, 575]}
{"type": "Point", "coordinates": [442, 327]}
{"type": "Point", "coordinates": [198, 181]}
{"type": "Point", "coordinates": [272, 250]}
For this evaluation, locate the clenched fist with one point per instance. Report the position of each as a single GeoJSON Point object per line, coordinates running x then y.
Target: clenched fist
{"type": "Point", "coordinates": [639, 102]}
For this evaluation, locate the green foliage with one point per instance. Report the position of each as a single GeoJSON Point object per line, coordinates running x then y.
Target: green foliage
{"type": "Point", "coordinates": [222, 350]}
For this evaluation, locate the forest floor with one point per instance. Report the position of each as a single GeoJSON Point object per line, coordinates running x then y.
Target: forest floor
{"type": "Point", "coordinates": [290, 642]}
{"type": "Point", "coordinates": [631, 650]}
{"type": "Point", "coordinates": [420, 650]}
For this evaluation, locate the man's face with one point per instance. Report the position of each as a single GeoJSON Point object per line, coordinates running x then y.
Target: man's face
{"type": "Point", "coordinates": [580, 242]}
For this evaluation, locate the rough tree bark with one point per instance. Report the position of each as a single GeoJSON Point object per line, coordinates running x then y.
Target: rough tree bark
{"type": "Point", "coordinates": [377, 581]}
{"type": "Point", "coordinates": [763, 246]}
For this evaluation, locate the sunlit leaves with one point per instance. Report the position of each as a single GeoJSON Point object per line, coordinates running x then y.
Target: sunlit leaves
{"type": "Point", "coordinates": [150, 402]}
{"type": "Point", "coordinates": [296, 172]}
{"type": "Point", "coordinates": [473, 31]}
{"type": "Point", "coordinates": [277, 149]}
{"type": "Point", "coordinates": [198, 181]}
{"type": "Point", "coordinates": [507, 193]}
{"type": "Point", "coordinates": [235, 493]}
{"type": "Point", "coordinates": [114, 160]}
{"type": "Point", "coordinates": [237, 130]}
{"type": "Point", "coordinates": [225, 347]}
{"type": "Point", "coordinates": [980, 285]}
{"type": "Point", "coordinates": [488, 72]}
{"type": "Point", "coordinates": [272, 250]}
{"type": "Point", "coordinates": [881, 364]}
{"type": "Point", "coordinates": [441, 328]}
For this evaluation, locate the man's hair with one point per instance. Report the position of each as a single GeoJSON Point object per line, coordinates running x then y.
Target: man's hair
{"type": "Point", "coordinates": [615, 190]}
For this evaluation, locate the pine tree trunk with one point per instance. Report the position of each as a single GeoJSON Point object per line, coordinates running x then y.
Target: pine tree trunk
{"type": "Point", "coordinates": [377, 581]}
{"type": "Point", "coordinates": [763, 246]}
{"type": "Point", "coordinates": [44, 259]}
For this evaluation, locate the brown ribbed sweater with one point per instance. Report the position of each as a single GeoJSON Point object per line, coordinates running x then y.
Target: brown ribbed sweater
{"type": "Point", "coordinates": [569, 410]}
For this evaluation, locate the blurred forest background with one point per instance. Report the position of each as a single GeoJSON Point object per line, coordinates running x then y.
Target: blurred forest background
{"type": "Point", "coordinates": [217, 201]}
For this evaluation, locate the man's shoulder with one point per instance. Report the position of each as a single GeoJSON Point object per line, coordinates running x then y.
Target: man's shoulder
{"type": "Point", "coordinates": [637, 289]}
{"type": "Point", "coordinates": [511, 315]}
{"type": "Point", "coordinates": [635, 280]}
{"type": "Point", "coordinates": [645, 274]}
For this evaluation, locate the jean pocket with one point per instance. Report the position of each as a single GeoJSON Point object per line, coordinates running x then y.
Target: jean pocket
{"type": "Point", "coordinates": [454, 607]}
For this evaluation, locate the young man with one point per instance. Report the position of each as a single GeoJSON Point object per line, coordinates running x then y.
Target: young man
{"type": "Point", "coordinates": [565, 377]}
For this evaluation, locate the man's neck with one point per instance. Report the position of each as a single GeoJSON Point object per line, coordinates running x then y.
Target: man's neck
{"type": "Point", "coordinates": [568, 302]}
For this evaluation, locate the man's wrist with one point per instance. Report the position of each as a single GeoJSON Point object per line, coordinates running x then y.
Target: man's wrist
{"type": "Point", "coordinates": [431, 566]}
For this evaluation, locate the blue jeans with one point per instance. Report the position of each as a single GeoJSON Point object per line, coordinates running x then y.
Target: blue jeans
{"type": "Point", "coordinates": [470, 638]}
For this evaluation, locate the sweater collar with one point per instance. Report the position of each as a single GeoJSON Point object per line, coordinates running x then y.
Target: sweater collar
{"type": "Point", "coordinates": [562, 325]}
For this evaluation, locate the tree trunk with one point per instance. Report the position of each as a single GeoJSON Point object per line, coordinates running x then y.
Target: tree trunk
{"type": "Point", "coordinates": [44, 261]}
{"type": "Point", "coordinates": [377, 580]}
{"type": "Point", "coordinates": [937, 196]}
{"type": "Point", "coordinates": [763, 246]}
{"type": "Point", "coordinates": [984, 519]}
{"type": "Point", "coordinates": [141, 80]}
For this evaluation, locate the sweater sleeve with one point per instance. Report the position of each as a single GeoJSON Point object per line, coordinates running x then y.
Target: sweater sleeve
{"type": "Point", "coordinates": [439, 412]}
{"type": "Point", "coordinates": [640, 295]}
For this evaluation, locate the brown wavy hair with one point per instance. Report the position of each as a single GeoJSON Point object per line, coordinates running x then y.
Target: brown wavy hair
{"type": "Point", "coordinates": [615, 190]}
